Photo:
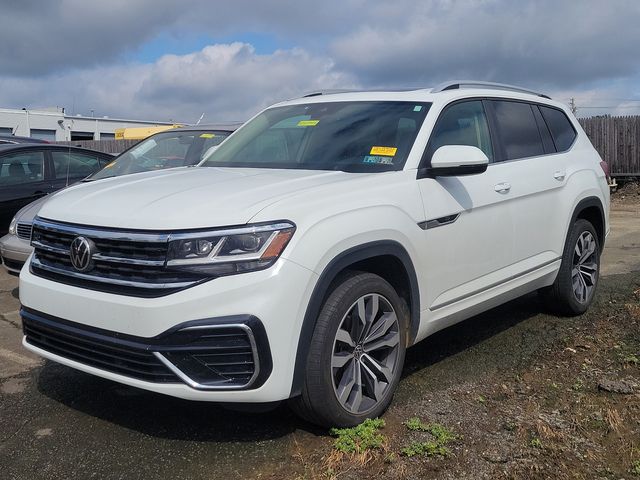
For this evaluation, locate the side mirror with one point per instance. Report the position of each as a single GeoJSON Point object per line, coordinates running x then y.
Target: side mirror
{"type": "Point", "coordinates": [456, 160]}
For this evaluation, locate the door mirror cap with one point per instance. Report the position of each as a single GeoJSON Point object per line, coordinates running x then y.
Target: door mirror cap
{"type": "Point", "coordinates": [456, 160]}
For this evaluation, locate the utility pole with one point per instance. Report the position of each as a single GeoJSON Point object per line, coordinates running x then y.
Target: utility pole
{"type": "Point", "coordinates": [572, 105]}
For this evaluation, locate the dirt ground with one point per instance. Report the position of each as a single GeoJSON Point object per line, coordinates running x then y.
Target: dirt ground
{"type": "Point", "coordinates": [526, 394]}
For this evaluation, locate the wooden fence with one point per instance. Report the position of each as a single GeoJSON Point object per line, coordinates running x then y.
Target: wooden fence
{"type": "Point", "coordinates": [107, 146]}
{"type": "Point", "coordinates": [617, 140]}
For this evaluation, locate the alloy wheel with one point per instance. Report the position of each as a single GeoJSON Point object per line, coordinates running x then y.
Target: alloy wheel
{"type": "Point", "coordinates": [365, 353]}
{"type": "Point", "coordinates": [584, 269]}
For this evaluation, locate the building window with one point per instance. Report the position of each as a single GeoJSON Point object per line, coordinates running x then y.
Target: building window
{"type": "Point", "coordinates": [81, 136]}
{"type": "Point", "coordinates": [41, 134]}
{"type": "Point", "coordinates": [107, 136]}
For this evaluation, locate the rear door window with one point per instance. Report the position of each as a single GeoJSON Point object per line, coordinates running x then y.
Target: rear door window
{"type": "Point", "coordinates": [517, 130]}
{"type": "Point", "coordinates": [22, 168]}
{"type": "Point", "coordinates": [562, 131]}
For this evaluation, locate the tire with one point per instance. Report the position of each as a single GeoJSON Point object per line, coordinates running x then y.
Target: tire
{"type": "Point", "coordinates": [574, 287]}
{"type": "Point", "coordinates": [342, 352]}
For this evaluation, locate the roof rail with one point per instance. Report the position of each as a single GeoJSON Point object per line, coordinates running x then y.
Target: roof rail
{"type": "Point", "coordinates": [316, 93]}
{"type": "Point", "coordinates": [457, 84]}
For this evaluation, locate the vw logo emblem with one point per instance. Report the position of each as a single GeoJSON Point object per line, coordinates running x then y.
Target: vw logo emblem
{"type": "Point", "coordinates": [80, 253]}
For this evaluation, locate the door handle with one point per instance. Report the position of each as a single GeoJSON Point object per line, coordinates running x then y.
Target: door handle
{"type": "Point", "coordinates": [559, 175]}
{"type": "Point", "coordinates": [503, 187]}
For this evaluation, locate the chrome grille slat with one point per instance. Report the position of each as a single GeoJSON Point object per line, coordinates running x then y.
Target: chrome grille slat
{"type": "Point", "coordinates": [122, 262]}
{"type": "Point", "coordinates": [63, 271]}
{"type": "Point", "coordinates": [23, 230]}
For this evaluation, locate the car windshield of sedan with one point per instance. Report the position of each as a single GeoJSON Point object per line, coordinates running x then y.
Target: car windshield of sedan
{"type": "Point", "coordinates": [361, 136]}
{"type": "Point", "coordinates": [163, 150]}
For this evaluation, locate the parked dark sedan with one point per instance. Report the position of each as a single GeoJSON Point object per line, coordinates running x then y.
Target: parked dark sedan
{"type": "Point", "coordinates": [11, 139]}
{"type": "Point", "coordinates": [30, 171]}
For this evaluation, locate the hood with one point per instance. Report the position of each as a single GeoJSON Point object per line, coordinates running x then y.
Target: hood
{"type": "Point", "coordinates": [182, 198]}
{"type": "Point", "coordinates": [27, 213]}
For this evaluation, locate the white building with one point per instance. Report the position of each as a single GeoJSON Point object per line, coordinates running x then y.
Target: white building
{"type": "Point", "coordinates": [54, 124]}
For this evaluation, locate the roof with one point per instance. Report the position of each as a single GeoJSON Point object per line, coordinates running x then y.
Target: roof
{"type": "Point", "coordinates": [230, 127]}
{"type": "Point", "coordinates": [48, 146]}
{"type": "Point", "coordinates": [441, 94]}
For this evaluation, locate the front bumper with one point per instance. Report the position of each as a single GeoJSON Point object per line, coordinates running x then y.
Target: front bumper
{"type": "Point", "coordinates": [277, 296]}
{"type": "Point", "coordinates": [211, 354]}
{"type": "Point", "coordinates": [14, 252]}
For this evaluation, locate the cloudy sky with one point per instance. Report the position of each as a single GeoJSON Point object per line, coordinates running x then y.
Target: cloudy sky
{"type": "Point", "coordinates": [162, 59]}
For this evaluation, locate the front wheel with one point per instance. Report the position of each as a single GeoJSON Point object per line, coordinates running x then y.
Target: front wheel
{"type": "Point", "coordinates": [357, 353]}
{"type": "Point", "coordinates": [574, 287]}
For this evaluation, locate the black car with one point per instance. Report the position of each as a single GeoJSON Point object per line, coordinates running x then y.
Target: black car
{"type": "Point", "coordinates": [12, 139]}
{"type": "Point", "coordinates": [29, 171]}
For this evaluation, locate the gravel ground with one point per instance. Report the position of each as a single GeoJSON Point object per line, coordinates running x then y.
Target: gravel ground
{"type": "Point", "coordinates": [529, 395]}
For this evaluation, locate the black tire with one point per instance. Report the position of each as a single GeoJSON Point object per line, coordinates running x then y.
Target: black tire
{"type": "Point", "coordinates": [319, 402]}
{"type": "Point", "coordinates": [560, 297]}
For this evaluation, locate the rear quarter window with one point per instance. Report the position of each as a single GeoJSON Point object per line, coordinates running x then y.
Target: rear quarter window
{"type": "Point", "coordinates": [560, 126]}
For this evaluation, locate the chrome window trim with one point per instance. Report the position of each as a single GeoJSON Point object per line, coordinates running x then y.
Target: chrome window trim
{"type": "Point", "coordinates": [198, 386]}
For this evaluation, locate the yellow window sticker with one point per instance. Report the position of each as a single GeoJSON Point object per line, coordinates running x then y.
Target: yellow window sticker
{"type": "Point", "coordinates": [207, 135]}
{"type": "Point", "coordinates": [308, 123]}
{"type": "Point", "coordinates": [386, 151]}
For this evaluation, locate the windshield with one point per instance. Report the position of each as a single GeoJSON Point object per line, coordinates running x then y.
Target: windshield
{"type": "Point", "coordinates": [351, 136]}
{"type": "Point", "coordinates": [164, 150]}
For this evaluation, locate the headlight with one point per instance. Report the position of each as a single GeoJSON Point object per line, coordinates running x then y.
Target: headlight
{"type": "Point", "coordinates": [12, 226]}
{"type": "Point", "coordinates": [224, 252]}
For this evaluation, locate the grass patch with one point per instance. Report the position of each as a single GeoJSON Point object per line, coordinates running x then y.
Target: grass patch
{"type": "Point", "coordinates": [436, 447]}
{"type": "Point", "coordinates": [635, 468]}
{"type": "Point", "coordinates": [535, 443]}
{"type": "Point", "coordinates": [430, 449]}
{"type": "Point", "coordinates": [360, 438]}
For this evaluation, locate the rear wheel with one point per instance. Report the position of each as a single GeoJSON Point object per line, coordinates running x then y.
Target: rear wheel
{"type": "Point", "coordinates": [357, 353]}
{"type": "Point", "coordinates": [574, 287]}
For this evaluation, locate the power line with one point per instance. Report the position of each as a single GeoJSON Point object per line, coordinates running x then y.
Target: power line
{"type": "Point", "coordinates": [613, 106]}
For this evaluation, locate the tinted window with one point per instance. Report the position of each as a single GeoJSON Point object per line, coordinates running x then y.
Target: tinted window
{"type": "Point", "coordinates": [22, 167]}
{"type": "Point", "coordinates": [175, 148]}
{"type": "Point", "coordinates": [517, 130]}
{"type": "Point", "coordinates": [351, 136]}
{"type": "Point", "coordinates": [560, 126]}
{"type": "Point", "coordinates": [462, 124]}
{"type": "Point", "coordinates": [74, 164]}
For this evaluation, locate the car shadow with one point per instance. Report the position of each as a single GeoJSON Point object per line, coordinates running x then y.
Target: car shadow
{"type": "Point", "coordinates": [471, 332]}
{"type": "Point", "coordinates": [176, 419]}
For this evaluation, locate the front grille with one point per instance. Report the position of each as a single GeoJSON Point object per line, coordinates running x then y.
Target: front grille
{"type": "Point", "coordinates": [126, 263]}
{"type": "Point", "coordinates": [95, 350]}
{"type": "Point", "coordinates": [23, 230]}
{"type": "Point", "coordinates": [13, 264]}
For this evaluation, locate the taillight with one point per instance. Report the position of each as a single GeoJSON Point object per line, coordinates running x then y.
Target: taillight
{"type": "Point", "coordinates": [605, 168]}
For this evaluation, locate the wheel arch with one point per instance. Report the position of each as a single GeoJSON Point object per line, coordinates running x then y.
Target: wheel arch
{"type": "Point", "coordinates": [355, 258]}
{"type": "Point", "coordinates": [590, 209]}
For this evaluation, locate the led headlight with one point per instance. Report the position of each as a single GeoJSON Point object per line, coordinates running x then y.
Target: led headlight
{"type": "Point", "coordinates": [235, 250]}
{"type": "Point", "coordinates": [12, 226]}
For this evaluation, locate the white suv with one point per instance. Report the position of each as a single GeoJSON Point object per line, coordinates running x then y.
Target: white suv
{"type": "Point", "coordinates": [322, 239]}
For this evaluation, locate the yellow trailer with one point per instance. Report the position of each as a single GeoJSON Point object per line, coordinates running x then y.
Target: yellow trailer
{"type": "Point", "coordinates": [139, 133]}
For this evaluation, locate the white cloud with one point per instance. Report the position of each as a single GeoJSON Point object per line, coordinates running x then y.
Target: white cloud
{"type": "Point", "coordinates": [225, 81]}
{"type": "Point", "coordinates": [71, 52]}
